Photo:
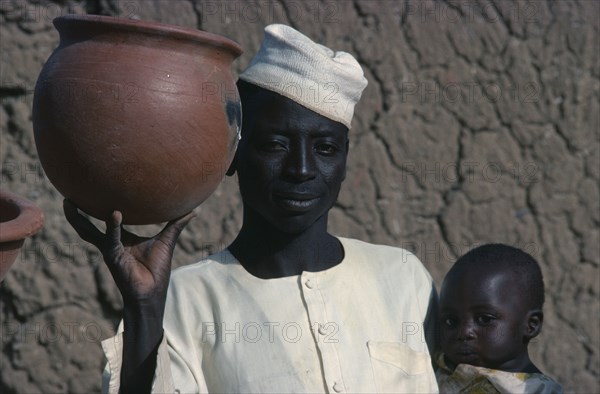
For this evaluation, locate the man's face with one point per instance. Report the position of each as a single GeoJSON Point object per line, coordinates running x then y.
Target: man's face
{"type": "Point", "coordinates": [483, 320]}
{"type": "Point", "coordinates": [290, 163]}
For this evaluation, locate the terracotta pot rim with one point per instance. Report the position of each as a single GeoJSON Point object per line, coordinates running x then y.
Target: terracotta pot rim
{"type": "Point", "coordinates": [29, 219]}
{"type": "Point", "coordinates": [151, 27]}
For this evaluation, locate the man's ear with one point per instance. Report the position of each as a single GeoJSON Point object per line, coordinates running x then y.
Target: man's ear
{"type": "Point", "coordinates": [347, 150]}
{"type": "Point", "coordinates": [233, 166]}
{"type": "Point", "coordinates": [535, 318]}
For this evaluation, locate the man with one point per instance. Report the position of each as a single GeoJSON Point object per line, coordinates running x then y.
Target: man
{"type": "Point", "coordinates": [287, 307]}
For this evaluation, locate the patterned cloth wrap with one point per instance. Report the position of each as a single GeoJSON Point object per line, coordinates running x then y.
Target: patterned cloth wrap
{"type": "Point", "coordinates": [478, 380]}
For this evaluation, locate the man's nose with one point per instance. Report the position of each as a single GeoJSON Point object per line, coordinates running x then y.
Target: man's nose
{"type": "Point", "coordinates": [300, 163]}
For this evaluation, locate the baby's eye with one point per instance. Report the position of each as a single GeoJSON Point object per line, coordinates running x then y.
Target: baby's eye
{"type": "Point", "coordinates": [449, 322]}
{"type": "Point", "coordinates": [485, 320]}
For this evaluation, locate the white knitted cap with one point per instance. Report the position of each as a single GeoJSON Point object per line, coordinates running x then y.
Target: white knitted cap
{"type": "Point", "coordinates": [291, 64]}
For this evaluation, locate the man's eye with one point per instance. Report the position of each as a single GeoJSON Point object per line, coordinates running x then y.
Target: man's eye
{"type": "Point", "coordinates": [273, 146]}
{"type": "Point", "coordinates": [327, 149]}
{"type": "Point", "coordinates": [484, 320]}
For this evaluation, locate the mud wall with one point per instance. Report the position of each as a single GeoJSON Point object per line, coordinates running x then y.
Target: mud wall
{"type": "Point", "coordinates": [479, 124]}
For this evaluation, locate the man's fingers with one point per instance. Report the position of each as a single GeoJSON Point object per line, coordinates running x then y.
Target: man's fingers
{"type": "Point", "coordinates": [114, 247]}
{"type": "Point", "coordinates": [185, 219]}
{"type": "Point", "coordinates": [171, 232]}
{"type": "Point", "coordinates": [113, 228]}
{"type": "Point", "coordinates": [86, 230]}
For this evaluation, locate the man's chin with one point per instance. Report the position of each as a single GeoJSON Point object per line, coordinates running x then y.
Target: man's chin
{"type": "Point", "coordinates": [295, 224]}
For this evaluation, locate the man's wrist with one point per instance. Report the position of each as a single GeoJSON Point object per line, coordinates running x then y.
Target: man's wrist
{"type": "Point", "coordinates": [143, 322]}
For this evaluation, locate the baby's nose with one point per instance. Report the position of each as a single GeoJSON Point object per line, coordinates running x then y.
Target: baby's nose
{"type": "Point", "coordinates": [466, 331]}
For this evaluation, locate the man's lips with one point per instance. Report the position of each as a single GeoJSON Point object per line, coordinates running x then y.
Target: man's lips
{"type": "Point", "coordinates": [296, 196]}
{"type": "Point", "coordinates": [297, 202]}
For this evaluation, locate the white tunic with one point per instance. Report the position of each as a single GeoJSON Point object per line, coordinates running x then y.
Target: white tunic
{"type": "Point", "coordinates": [356, 327]}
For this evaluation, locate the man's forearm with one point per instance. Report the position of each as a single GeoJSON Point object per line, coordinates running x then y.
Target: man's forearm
{"type": "Point", "coordinates": [142, 337]}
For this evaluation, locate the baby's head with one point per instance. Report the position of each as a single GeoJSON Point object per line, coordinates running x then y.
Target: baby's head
{"type": "Point", "coordinates": [491, 307]}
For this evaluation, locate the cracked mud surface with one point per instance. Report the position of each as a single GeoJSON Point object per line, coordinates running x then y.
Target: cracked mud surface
{"type": "Point", "coordinates": [480, 124]}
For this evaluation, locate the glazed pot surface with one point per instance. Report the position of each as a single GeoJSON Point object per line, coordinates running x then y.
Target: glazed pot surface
{"type": "Point", "coordinates": [136, 116]}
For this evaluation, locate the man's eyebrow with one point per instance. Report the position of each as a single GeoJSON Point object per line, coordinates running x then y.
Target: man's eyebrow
{"type": "Point", "coordinates": [330, 131]}
{"type": "Point", "coordinates": [316, 133]}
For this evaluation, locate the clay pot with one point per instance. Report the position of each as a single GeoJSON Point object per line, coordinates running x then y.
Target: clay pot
{"type": "Point", "coordinates": [136, 116]}
{"type": "Point", "coordinates": [19, 219]}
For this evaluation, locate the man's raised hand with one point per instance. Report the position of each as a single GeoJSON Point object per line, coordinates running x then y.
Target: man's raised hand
{"type": "Point", "coordinates": [140, 266]}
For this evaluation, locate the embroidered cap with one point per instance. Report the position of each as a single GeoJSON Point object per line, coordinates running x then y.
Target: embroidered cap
{"type": "Point", "coordinates": [291, 64]}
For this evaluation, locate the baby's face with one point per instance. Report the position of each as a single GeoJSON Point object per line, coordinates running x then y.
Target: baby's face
{"type": "Point", "coordinates": [483, 318]}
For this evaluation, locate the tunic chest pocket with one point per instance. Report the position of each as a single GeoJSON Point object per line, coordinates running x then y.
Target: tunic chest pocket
{"type": "Point", "coordinates": [399, 369]}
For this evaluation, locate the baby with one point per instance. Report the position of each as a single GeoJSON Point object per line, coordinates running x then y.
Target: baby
{"type": "Point", "coordinates": [490, 309]}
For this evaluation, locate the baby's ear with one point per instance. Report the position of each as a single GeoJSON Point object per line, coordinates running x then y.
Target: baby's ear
{"type": "Point", "coordinates": [535, 318]}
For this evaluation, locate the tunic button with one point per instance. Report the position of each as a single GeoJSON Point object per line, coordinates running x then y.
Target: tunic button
{"type": "Point", "coordinates": [309, 284]}
{"type": "Point", "coordinates": [337, 387]}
